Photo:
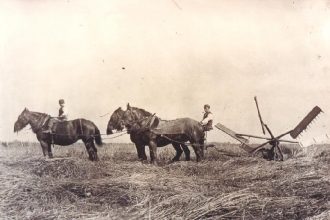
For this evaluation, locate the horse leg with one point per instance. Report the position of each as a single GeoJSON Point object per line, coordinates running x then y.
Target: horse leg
{"type": "Point", "coordinates": [153, 152]}
{"type": "Point", "coordinates": [197, 150]}
{"type": "Point", "coordinates": [143, 152]}
{"type": "Point", "coordinates": [96, 157]}
{"type": "Point", "coordinates": [178, 152]}
{"type": "Point", "coordinates": [140, 148]}
{"type": "Point", "coordinates": [44, 148]}
{"type": "Point", "coordinates": [89, 147]}
{"type": "Point", "coordinates": [50, 153]}
{"type": "Point", "coordinates": [197, 141]}
{"type": "Point", "coordinates": [202, 147]}
{"type": "Point", "coordinates": [186, 151]}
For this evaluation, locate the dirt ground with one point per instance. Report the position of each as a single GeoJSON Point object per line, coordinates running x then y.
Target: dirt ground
{"type": "Point", "coordinates": [120, 187]}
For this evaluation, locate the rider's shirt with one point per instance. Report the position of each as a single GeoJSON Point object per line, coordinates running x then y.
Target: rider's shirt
{"type": "Point", "coordinates": [207, 120]}
{"type": "Point", "coordinates": [62, 113]}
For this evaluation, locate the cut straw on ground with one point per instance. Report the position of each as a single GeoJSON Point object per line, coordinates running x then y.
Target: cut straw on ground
{"type": "Point", "coordinates": [121, 187]}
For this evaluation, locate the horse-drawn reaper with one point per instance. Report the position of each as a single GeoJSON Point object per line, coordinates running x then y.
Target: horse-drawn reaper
{"type": "Point", "coordinates": [147, 129]}
{"type": "Point", "coordinates": [65, 133]}
{"type": "Point", "coordinates": [275, 152]}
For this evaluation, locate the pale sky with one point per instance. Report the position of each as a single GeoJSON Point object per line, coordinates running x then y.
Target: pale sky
{"type": "Point", "coordinates": [178, 55]}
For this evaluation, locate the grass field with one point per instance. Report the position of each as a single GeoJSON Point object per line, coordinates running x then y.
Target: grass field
{"type": "Point", "coordinates": [120, 187]}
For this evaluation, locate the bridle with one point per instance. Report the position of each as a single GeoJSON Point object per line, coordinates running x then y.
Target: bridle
{"type": "Point", "coordinates": [22, 119]}
{"type": "Point", "coordinates": [138, 121]}
{"type": "Point", "coordinates": [118, 120]}
{"type": "Point", "coordinates": [40, 120]}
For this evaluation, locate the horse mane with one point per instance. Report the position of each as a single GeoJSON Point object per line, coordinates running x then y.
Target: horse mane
{"type": "Point", "coordinates": [142, 111]}
{"type": "Point", "coordinates": [116, 116]}
{"type": "Point", "coordinates": [39, 113]}
{"type": "Point", "coordinates": [118, 110]}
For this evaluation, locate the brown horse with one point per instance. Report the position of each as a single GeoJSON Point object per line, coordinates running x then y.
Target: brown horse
{"type": "Point", "coordinates": [66, 132]}
{"type": "Point", "coordinates": [116, 123]}
{"type": "Point", "coordinates": [152, 129]}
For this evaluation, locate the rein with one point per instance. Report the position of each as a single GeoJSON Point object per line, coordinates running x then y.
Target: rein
{"type": "Point", "coordinates": [189, 144]}
{"type": "Point", "coordinates": [123, 133]}
{"type": "Point", "coordinates": [178, 142]}
{"type": "Point", "coordinates": [38, 120]}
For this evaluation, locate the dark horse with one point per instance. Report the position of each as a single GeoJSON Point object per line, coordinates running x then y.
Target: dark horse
{"type": "Point", "coordinates": [65, 133]}
{"type": "Point", "coordinates": [140, 141]}
{"type": "Point", "coordinates": [147, 129]}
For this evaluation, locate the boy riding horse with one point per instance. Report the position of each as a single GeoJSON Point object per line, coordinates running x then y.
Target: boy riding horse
{"type": "Point", "coordinates": [62, 116]}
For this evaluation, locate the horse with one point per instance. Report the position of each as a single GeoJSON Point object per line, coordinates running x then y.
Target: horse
{"type": "Point", "coordinates": [116, 123]}
{"type": "Point", "coordinates": [65, 132]}
{"type": "Point", "coordinates": [153, 129]}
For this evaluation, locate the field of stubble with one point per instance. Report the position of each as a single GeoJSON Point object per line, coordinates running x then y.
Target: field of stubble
{"type": "Point", "coordinates": [120, 187]}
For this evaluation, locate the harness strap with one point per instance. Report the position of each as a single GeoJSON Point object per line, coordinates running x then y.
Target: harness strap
{"type": "Point", "coordinates": [150, 120]}
{"type": "Point", "coordinates": [45, 120]}
{"type": "Point", "coordinates": [190, 144]}
{"type": "Point", "coordinates": [179, 142]}
{"type": "Point", "coordinates": [42, 123]}
{"type": "Point", "coordinates": [81, 130]}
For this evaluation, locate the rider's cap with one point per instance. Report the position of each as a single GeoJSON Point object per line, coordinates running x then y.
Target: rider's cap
{"type": "Point", "coordinates": [61, 101]}
{"type": "Point", "coordinates": [206, 106]}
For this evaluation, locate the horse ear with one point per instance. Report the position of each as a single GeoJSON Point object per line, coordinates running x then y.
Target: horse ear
{"type": "Point", "coordinates": [26, 109]}
{"type": "Point", "coordinates": [128, 106]}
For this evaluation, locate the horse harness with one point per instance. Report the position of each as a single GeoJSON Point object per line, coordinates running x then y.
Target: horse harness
{"type": "Point", "coordinates": [43, 122]}
{"type": "Point", "coordinates": [150, 118]}
{"type": "Point", "coordinates": [81, 130]}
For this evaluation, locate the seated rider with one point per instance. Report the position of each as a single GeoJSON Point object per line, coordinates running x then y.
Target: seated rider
{"type": "Point", "coordinates": [207, 118]}
{"type": "Point", "coordinates": [62, 116]}
{"type": "Point", "coordinates": [62, 112]}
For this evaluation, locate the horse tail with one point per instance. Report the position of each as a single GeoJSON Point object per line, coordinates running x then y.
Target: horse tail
{"type": "Point", "coordinates": [98, 138]}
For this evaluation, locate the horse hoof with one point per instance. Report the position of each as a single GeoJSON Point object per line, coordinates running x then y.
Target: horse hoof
{"type": "Point", "coordinates": [174, 160]}
{"type": "Point", "coordinates": [154, 163]}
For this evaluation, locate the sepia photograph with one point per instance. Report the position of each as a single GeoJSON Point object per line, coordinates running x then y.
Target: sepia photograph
{"type": "Point", "coordinates": [164, 109]}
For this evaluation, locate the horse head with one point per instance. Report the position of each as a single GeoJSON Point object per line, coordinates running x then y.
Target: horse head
{"type": "Point", "coordinates": [133, 117]}
{"type": "Point", "coordinates": [115, 122]}
{"type": "Point", "coordinates": [22, 121]}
